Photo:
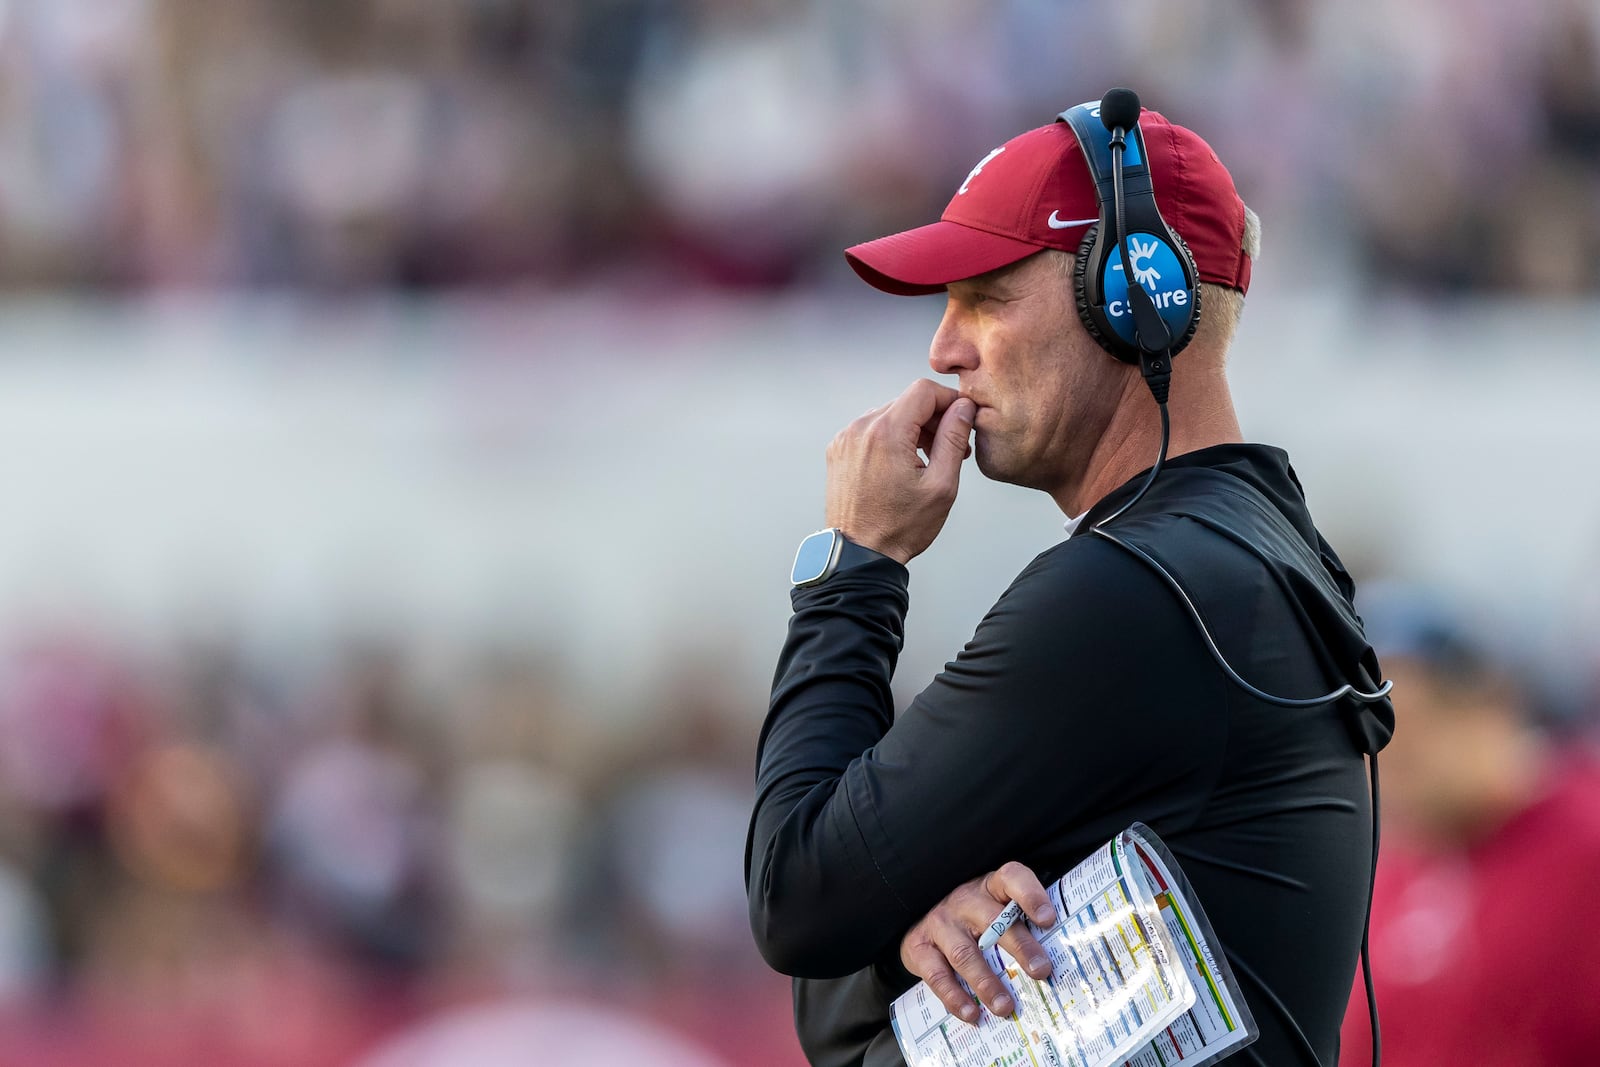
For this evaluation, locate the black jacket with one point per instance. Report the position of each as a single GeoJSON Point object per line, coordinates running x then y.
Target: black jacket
{"type": "Point", "coordinates": [1085, 700]}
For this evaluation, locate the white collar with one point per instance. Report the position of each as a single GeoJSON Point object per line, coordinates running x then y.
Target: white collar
{"type": "Point", "coordinates": [1072, 524]}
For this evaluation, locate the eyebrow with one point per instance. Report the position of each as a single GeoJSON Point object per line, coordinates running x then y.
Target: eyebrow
{"type": "Point", "coordinates": [1000, 276]}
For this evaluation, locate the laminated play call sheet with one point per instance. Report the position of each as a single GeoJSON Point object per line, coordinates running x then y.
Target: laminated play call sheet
{"type": "Point", "coordinates": [1136, 979]}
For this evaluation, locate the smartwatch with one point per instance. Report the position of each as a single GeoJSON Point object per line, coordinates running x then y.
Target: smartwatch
{"type": "Point", "coordinates": [824, 554]}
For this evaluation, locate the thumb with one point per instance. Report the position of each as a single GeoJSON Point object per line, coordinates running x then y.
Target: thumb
{"type": "Point", "coordinates": [950, 440]}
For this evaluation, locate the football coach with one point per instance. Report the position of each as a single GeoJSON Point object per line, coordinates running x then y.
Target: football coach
{"type": "Point", "coordinates": [1187, 656]}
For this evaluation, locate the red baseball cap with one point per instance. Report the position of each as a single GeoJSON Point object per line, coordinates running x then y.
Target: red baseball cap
{"type": "Point", "coordinates": [1035, 192]}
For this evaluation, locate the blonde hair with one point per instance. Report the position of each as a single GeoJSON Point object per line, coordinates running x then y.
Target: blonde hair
{"type": "Point", "coordinates": [1250, 243]}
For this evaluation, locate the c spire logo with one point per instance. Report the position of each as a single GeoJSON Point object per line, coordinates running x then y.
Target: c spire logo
{"type": "Point", "coordinates": [1138, 251]}
{"type": "Point", "coordinates": [1151, 261]}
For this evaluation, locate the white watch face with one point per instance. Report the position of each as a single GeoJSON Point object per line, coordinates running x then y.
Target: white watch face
{"type": "Point", "coordinates": [814, 560]}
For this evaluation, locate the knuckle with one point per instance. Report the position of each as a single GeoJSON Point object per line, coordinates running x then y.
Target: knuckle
{"type": "Point", "coordinates": [1022, 946]}
{"type": "Point", "coordinates": [966, 955]}
{"type": "Point", "coordinates": [952, 931]}
{"type": "Point", "coordinates": [940, 489]}
{"type": "Point", "coordinates": [1011, 871]}
{"type": "Point", "coordinates": [945, 988]}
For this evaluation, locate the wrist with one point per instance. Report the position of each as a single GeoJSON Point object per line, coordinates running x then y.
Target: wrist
{"type": "Point", "coordinates": [879, 546]}
{"type": "Point", "coordinates": [828, 552]}
{"type": "Point", "coordinates": [870, 535]}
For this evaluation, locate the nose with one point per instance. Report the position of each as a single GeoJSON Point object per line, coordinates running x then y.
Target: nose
{"type": "Point", "coordinates": [952, 349]}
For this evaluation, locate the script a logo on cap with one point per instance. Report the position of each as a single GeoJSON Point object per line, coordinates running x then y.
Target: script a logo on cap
{"type": "Point", "coordinates": [975, 171]}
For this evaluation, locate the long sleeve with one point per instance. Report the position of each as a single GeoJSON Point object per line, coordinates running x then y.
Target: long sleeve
{"type": "Point", "coordinates": [1018, 749]}
{"type": "Point", "coordinates": [831, 701]}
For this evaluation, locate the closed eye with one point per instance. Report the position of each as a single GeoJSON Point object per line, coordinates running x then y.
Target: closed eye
{"type": "Point", "coordinates": [974, 298]}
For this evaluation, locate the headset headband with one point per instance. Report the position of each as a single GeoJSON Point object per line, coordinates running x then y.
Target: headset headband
{"type": "Point", "coordinates": [1095, 141]}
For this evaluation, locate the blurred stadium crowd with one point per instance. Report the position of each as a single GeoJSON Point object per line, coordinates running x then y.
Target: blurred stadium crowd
{"type": "Point", "coordinates": [1437, 146]}
{"type": "Point", "coordinates": [216, 854]}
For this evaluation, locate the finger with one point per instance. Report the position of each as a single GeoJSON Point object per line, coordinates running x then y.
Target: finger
{"type": "Point", "coordinates": [1026, 950]}
{"type": "Point", "coordinates": [936, 396]}
{"type": "Point", "coordinates": [921, 404]}
{"type": "Point", "coordinates": [928, 963]}
{"type": "Point", "coordinates": [918, 410]}
{"type": "Point", "coordinates": [1016, 881]}
{"type": "Point", "coordinates": [972, 964]}
{"type": "Point", "coordinates": [951, 443]}
{"type": "Point", "coordinates": [943, 396]}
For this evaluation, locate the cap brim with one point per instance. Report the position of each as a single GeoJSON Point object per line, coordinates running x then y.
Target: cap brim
{"type": "Point", "coordinates": [926, 259]}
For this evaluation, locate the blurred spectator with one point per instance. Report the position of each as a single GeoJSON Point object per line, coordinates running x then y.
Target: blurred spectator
{"type": "Point", "coordinates": [515, 819]}
{"type": "Point", "coordinates": [22, 947]}
{"type": "Point", "coordinates": [1491, 849]}
{"type": "Point", "coordinates": [351, 826]}
{"type": "Point", "coordinates": [673, 833]}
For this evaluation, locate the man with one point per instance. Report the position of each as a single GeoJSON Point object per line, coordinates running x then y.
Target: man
{"type": "Point", "coordinates": [1482, 951]}
{"type": "Point", "coordinates": [1087, 699]}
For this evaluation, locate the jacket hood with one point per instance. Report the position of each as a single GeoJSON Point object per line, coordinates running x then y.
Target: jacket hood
{"type": "Point", "coordinates": [1249, 494]}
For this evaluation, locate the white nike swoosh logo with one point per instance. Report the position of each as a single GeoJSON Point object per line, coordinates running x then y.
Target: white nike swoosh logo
{"type": "Point", "coordinates": [1059, 224]}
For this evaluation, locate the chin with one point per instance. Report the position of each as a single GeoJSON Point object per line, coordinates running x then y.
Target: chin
{"type": "Point", "coordinates": [998, 464]}
{"type": "Point", "coordinates": [991, 465]}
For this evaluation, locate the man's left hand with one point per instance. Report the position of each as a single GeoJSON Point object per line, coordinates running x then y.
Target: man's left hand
{"type": "Point", "coordinates": [945, 943]}
{"type": "Point", "coordinates": [881, 493]}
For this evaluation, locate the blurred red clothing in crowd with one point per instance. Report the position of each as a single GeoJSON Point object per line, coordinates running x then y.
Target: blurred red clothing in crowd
{"type": "Point", "coordinates": [1486, 955]}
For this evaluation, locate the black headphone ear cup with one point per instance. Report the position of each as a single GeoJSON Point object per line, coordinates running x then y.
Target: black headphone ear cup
{"type": "Point", "coordinates": [1088, 314]}
{"type": "Point", "coordinates": [1092, 317]}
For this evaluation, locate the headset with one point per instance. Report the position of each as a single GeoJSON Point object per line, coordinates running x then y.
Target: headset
{"type": "Point", "coordinates": [1125, 317]}
{"type": "Point", "coordinates": [1119, 262]}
